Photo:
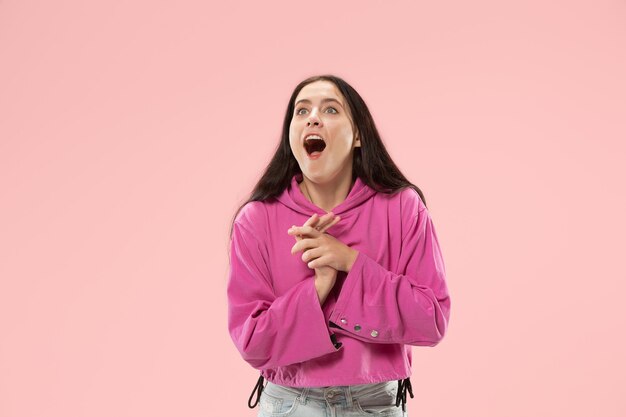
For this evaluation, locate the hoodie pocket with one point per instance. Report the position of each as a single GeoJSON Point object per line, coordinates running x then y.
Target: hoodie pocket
{"type": "Point", "coordinates": [278, 403]}
{"type": "Point", "coordinates": [380, 401]}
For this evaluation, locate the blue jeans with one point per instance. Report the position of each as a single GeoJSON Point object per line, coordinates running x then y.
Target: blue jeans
{"type": "Point", "coordinates": [377, 399]}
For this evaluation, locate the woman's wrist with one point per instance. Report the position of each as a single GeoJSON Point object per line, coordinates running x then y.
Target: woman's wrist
{"type": "Point", "coordinates": [354, 254]}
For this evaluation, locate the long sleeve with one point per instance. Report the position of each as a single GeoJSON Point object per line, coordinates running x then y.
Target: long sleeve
{"type": "Point", "coordinates": [269, 330]}
{"type": "Point", "coordinates": [410, 307]}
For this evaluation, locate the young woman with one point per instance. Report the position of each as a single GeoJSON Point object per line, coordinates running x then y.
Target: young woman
{"type": "Point", "coordinates": [335, 267]}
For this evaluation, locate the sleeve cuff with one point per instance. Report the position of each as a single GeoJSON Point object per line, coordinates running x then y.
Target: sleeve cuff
{"type": "Point", "coordinates": [318, 323]}
{"type": "Point", "coordinates": [351, 278]}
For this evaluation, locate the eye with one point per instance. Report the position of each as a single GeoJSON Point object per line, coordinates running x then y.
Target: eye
{"type": "Point", "coordinates": [334, 110]}
{"type": "Point", "coordinates": [299, 110]}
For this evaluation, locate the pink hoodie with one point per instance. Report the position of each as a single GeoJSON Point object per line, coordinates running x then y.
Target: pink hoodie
{"type": "Point", "coordinates": [394, 296]}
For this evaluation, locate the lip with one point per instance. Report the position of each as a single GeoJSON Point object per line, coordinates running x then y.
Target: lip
{"type": "Point", "coordinates": [312, 133]}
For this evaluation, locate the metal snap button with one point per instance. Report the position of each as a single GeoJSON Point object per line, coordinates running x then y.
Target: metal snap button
{"type": "Point", "coordinates": [357, 327]}
{"type": "Point", "coordinates": [374, 333]}
{"type": "Point", "coordinates": [344, 321]}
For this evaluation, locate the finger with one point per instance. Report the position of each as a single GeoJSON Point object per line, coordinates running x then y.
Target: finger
{"type": "Point", "coordinates": [306, 230]}
{"type": "Point", "coordinates": [311, 254]}
{"type": "Point", "coordinates": [317, 221]}
{"type": "Point", "coordinates": [297, 230]}
{"type": "Point", "coordinates": [311, 221]}
{"type": "Point", "coordinates": [298, 246]}
{"type": "Point", "coordinates": [331, 224]}
{"type": "Point", "coordinates": [319, 262]}
{"type": "Point", "coordinates": [291, 231]}
{"type": "Point", "coordinates": [324, 221]}
{"type": "Point", "coordinates": [303, 244]}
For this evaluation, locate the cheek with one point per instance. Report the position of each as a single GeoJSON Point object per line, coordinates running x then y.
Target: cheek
{"type": "Point", "coordinates": [295, 132]}
{"type": "Point", "coordinates": [292, 145]}
{"type": "Point", "coordinates": [346, 136]}
{"type": "Point", "coordinates": [296, 149]}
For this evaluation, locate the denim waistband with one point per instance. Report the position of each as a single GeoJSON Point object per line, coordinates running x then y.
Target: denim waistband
{"type": "Point", "coordinates": [337, 393]}
{"type": "Point", "coordinates": [333, 393]}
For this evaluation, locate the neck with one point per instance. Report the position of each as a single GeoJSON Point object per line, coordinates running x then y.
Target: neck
{"type": "Point", "coordinates": [327, 195]}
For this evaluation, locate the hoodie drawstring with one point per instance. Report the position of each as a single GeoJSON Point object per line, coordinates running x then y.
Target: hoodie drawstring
{"type": "Point", "coordinates": [403, 386]}
{"type": "Point", "coordinates": [259, 386]}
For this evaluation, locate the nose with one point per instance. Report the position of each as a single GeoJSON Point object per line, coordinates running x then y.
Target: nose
{"type": "Point", "coordinates": [314, 120]}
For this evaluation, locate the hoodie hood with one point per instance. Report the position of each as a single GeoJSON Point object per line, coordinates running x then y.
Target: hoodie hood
{"type": "Point", "coordinates": [293, 198]}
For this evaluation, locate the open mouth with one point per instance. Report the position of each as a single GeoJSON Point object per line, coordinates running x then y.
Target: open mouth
{"type": "Point", "coordinates": [314, 145]}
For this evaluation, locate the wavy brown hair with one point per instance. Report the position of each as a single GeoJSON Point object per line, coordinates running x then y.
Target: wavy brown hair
{"type": "Point", "coordinates": [371, 162]}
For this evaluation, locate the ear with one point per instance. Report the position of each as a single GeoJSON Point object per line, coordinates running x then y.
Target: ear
{"type": "Point", "coordinates": [357, 141]}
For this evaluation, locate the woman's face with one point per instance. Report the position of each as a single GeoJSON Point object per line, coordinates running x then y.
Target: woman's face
{"type": "Point", "coordinates": [321, 109]}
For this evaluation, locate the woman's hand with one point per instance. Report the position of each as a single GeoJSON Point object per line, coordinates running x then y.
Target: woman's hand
{"type": "Point", "coordinates": [321, 224]}
{"type": "Point", "coordinates": [321, 249]}
{"type": "Point", "coordinates": [325, 276]}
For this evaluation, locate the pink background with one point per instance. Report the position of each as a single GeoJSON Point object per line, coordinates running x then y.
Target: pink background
{"type": "Point", "coordinates": [130, 132]}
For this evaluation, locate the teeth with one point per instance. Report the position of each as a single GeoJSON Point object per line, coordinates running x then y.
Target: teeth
{"type": "Point", "coordinates": [314, 137]}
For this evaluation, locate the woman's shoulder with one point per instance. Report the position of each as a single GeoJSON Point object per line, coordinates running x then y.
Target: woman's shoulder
{"type": "Point", "coordinates": [252, 215]}
{"type": "Point", "coordinates": [409, 200]}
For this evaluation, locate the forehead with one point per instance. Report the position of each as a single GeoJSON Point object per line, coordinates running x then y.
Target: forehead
{"type": "Point", "coordinates": [319, 90]}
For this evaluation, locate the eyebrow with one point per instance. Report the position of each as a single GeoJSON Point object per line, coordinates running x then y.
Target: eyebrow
{"type": "Point", "coordinates": [306, 100]}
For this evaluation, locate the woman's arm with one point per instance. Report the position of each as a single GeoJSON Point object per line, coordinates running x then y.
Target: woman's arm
{"type": "Point", "coordinates": [411, 307]}
{"type": "Point", "coordinates": [271, 331]}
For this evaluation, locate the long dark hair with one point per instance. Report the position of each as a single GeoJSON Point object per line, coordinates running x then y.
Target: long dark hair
{"type": "Point", "coordinates": [371, 162]}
